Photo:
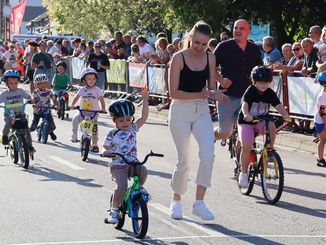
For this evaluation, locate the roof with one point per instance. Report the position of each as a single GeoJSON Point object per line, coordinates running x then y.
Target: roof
{"type": "Point", "coordinates": [31, 12]}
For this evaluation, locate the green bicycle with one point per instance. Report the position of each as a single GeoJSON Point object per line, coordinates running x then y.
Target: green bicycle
{"type": "Point", "coordinates": [135, 199]}
{"type": "Point", "coordinates": [18, 147]}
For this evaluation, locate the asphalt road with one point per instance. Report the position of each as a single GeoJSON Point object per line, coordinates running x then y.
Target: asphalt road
{"type": "Point", "coordinates": [62, 200]}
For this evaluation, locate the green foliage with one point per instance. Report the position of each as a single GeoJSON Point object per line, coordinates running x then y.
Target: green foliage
{"type": "Point", "coordinates": [290, 19]}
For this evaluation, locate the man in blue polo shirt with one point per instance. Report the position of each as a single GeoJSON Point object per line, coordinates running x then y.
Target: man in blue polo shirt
{"type": "Point", "coordinates": [236, 57]}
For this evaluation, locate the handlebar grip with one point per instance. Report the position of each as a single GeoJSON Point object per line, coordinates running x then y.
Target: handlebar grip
{"type": "Point", "coordinates": [108, 155]}
{"type": "Point", "coordinates": [156, 154]}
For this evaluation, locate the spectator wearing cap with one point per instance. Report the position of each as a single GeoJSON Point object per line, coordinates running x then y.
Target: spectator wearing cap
{"type": "Point", "coordinates": [271, 54]}
{"type": "Point", "coordinates": [43, 63]}
{"type": "Point", "coordinates": [100, 62]}
{"type": "Point", "coordinates": [310, 57]}
{"type": "Point", "coordinates": [315, 34]}
{"type": "Point", "coordinates": [10, 58]}
{"type": "Point", "coordinates": [224, 36]}
{"type": "Point", "coordinates": [49, 46]}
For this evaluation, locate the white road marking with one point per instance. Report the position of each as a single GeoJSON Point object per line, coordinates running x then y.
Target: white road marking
{"type": "Point", "coordinates": [189, 221]}
{"type": "Point", "coordinates": [170, 238]}
{"type": "Point", "coordinates": [66, 163]}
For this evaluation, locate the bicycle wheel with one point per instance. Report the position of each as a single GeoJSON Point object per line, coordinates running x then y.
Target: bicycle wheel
{"type": "Point", "coordinates": [85, 145]}
{"type": "Point", "coordinates": [39, 133]}
{"type": "Point", "coordinates": [62, 109]}
{"type": "Point", "coordinates": [272, 178]}
{"type": "Point", "coordinates": [45, 133]}
{"type": "Point", "coordinates": [140, 221]}
{"type": "Point", "coordinates": [122, 215]}
{"type": "Point", "coordinates": [23, 152]}
{"type": "Point", "coordinates": [13, 151]}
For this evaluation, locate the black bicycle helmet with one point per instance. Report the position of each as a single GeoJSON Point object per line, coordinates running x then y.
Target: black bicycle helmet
{"type": "Point", "coordinates": [121, 108]}
{"type": "Point", "coordinates": [322, 78]}
{"type": "Point", "coordinates": [11, 73]}
{"type": "Point", "coordinates": [261, 74]}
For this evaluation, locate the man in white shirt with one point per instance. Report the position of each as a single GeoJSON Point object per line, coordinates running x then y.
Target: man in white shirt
{"type": "Point", "coordinates": [315, 34]}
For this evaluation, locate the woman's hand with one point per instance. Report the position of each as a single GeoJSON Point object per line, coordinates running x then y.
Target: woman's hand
{"type": "Point", "coordinates": [205, 93]}
{"type": "Point", "coordinates": [248, 117]}
{"type": "Point", "coordinates": [220, 96]}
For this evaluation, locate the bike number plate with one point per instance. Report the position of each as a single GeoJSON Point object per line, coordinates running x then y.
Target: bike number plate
{"type": "Point", "coordinates": [86, 126]}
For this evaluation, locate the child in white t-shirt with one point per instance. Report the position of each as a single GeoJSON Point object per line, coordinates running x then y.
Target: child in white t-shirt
{"type": "Point", "coordinates": [91, 96]}
{"type": "Point", "coordinates": [320, 120]}
{"type": "Point", "coordinates": [122, 139]}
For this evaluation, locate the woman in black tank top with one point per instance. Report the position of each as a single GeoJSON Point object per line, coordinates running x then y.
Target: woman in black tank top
{"type": "Point", "coordinates": [191, 82]}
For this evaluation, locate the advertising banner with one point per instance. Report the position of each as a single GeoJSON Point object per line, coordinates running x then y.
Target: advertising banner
{"type": "Point", "coordinates": [117, 72]}
{"type": "Point", "coordinates": [137, 75]}
{"type": "Point", "coordinates": [156, 80]}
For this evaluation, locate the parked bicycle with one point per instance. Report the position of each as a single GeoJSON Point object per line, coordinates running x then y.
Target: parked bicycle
{"type": "Point", "coordinates": [43, 128]}
{"type": "Point", "coordinates": [18, 147]}
{"type": "Point", "coordinates": [135, 199]}
{"type": "Point", "coordinates": [87, 127]}
{"type": "Point", "coordinates": [268, 169]}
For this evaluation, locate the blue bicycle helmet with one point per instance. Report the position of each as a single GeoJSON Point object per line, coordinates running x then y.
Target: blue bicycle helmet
{"type": "Point", "coordinates": [322, 78]}
{"type": "Point", "coordinates": [121, 108]}
{"type": "Point", "coordinates": [11, 73]}
{"type": "Point", "coordinates": [261, 74]}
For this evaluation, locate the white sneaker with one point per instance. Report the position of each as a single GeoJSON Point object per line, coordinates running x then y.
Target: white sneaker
{"type": "Point", "coordinates": [243, 180]}
{"type": "Point", "coordinates": [201, 210]}
{"type": "Point", "coordinates": [176, 210]}
{"type": "Point", "coordinates": [112, 217]}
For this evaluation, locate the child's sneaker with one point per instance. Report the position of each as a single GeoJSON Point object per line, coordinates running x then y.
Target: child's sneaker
{"type": "Point", "coordinates": [176, 210]}
{"type": "Point", "coordinates": [53, 136]}
{"type": "Point", "coordinates": [201, 210]}
{"type": "Point", "coordinates": [243, 180]}
{"type": "Point", "coordinates": [112, 216]}
{"type": "Point", "coordinates": [5, 140]}
{"type": "Point", "coordinates": [321, 163]}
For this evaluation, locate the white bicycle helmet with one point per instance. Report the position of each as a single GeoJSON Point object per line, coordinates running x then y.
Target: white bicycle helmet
{"type": "Point", "coordinates": [86, 71]}
{"type": "Point", "coordinates": [40, 78]}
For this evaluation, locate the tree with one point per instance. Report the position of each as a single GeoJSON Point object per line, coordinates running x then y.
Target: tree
{"type": "Point", "coordinates": [90, 17]}
{"type": "Point", "coordinates": [290, 19]}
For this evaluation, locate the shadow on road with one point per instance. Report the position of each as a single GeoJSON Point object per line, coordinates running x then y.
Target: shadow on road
{"type": "Point", "coordinates": [320, 213]}
{"type": "Point", "coordinates": [241, 236]}
{"type": "Point", "coordinates": [146, 240]}
{"type": "Point", "coordinates": [53, 175]}
{"type": "Point", "coordinates": [303, 172]}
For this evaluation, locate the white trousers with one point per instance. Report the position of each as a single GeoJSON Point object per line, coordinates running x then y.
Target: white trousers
{"type": "Point", "coordinates": [188, 117]}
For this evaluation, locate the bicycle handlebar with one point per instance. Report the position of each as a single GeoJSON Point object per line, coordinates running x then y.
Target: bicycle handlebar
{"type": "Point", "coordinates": [114, 154]}
{"type": "Point", "coordinates": [257, 119]}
